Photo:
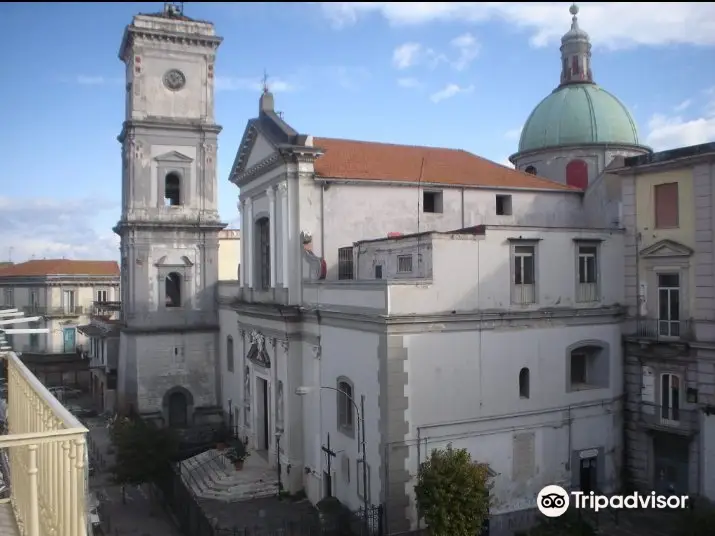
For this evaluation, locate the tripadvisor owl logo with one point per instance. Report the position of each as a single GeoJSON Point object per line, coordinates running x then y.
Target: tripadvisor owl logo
{"type": "Point", "coordinates": [553, 501]}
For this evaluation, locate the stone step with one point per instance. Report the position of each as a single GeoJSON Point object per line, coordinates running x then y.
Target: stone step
{"type": "Point", "coordinates": [240, 493]}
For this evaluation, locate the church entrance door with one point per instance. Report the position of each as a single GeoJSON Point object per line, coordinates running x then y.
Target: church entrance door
{"type": "Point", "coordinates": [262, 433]}
{"type": "Point", "coordinates": [178, 410]}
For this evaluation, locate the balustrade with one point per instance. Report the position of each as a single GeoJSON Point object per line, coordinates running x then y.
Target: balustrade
{"type": "Point", "coordinates": [47, 456]}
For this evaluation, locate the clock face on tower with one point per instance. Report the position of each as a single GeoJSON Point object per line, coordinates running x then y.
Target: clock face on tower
{"type": "Point", "coordinates": [174, 80]}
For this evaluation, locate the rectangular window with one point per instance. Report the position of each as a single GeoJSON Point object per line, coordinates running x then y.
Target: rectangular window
{"type": "Point", "coordinates": [669, 305]}
{"type": "Point", "coordinates": [345, 263]}
{"type": "Point", "coordinates": [503, 205]}
{"type": "Point", "coordinates": [34, 298]}
{"type": "Point", "coordinates": [666, 205]}
{"type": "Point", "coordinates": [68, 303]}
{"type": "Point", "coordinates": [34, 337]}
{"type": "Point", "coordinates": [378, 271]}
{"type": "Point", "coordinates": [229, 353]}
{"type": "Point", "coordinates": [9, 297]}
{"type": "Point", "coordinates": [670, 393]}
{"type": "Point", "coordinates": [587, 273]}
{"type": "Point", "coordinates": [102, 296]}
{"type": "Point", "coordinates": [432, 202]}
{"type": "Point", "coordinates": [404, 264]}
{"type": "Point", "coordinates": [524, 277]}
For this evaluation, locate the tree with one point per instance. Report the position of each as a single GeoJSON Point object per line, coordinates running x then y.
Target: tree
{"type": "Point", "coordinates": [143, 451]}
{"type": "Point", "coordinates": [452, 493]}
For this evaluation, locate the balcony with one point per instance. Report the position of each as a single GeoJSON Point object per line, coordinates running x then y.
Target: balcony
{"type": "Point", "coordinates": [654, 329]}
{"type": "Point", "coordinates": [53, 312]}
{"type": "Point", "coordinates": [678, 420]}
{"type": "Point", "coordinates": [44, 457]}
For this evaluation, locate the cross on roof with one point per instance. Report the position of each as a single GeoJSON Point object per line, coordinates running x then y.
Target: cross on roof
{"type": "Point", "coordinates": [265, 81]}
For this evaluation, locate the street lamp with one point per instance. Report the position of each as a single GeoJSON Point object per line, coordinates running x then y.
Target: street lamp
{"type": "Point", "coordinates": [304, 390]}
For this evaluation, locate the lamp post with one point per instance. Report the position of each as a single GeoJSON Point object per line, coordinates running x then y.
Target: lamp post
{"type": "Point", "coordinates": [301, 391]}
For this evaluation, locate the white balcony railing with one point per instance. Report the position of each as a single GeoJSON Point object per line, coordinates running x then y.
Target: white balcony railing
{"type": "Point", "coordinates": [46, 448]}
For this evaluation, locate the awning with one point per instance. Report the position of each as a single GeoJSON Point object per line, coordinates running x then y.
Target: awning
{"type": "Point", "coordinates": [90, 331]}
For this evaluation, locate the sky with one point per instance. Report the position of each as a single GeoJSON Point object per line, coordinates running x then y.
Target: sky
{"type": "Point", "coordinates": [451, 74]}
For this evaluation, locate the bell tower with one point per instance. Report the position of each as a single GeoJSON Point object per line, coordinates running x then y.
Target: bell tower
{"type": "Point", "coordinates": [169, 223]}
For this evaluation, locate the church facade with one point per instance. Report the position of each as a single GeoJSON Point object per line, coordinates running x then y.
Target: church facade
{"type": "Point", "coordinates": [442, 313]}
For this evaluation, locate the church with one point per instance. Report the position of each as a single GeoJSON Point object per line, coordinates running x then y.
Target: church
{"type": "Point", "coordinates": [475, 305]}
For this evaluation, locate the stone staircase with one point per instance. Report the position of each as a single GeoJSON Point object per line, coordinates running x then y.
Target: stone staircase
{"type": "Point", "coordinates": [210, 475]}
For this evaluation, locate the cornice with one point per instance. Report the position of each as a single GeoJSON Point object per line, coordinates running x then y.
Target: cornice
{"type": "Point", "coordinates": [585, 146]}
{"type": "Point", "coordinates": [203, 226]}
{"type": "Point", "coordinates": [166, 123]}
{"type": "Point", "coordinates": [58, 280]}
{"type": "Point", "coordinates": [132, 34]}
{"type": "Point", "coordinates": [266, 165]}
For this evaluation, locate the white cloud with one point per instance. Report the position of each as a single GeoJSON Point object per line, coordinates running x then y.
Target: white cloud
{"type": "Point", "coordinates": [514, 133]}
{"type": "Point", "coordinates": [406, 55]}
{"type": "Point", "coordinates": [276, 85]}
{"type": "Point", "coordinates": [51, 228]}
{"type": "Point", "coordinates": [671, 131]}
{"type": "Point", "coordinates": [409, 83]}
{"type": "Point", "coordinates": [86, 80]}
{"type": "Point", "coordinates": [468, 49]}
{"type": "Point", "coordinates": [449, 91]}
{"type": "Point", "coordinates": [506, 163]}
{"type": "Point", "coordinates": [683, 105]}
{"type": "Point", "coordinates": [611, 24]}
{"type": "Point", "coordinates": [412, 54]}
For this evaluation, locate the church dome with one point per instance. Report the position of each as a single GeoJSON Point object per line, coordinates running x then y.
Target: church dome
{"type": "Point", "coordinates": [578, 114]}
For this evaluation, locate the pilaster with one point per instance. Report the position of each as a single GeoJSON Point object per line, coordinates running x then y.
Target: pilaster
{"type": "Point", "coordinates": [271, 194]}
{"type": "Point", "coordinates": [283, 191]}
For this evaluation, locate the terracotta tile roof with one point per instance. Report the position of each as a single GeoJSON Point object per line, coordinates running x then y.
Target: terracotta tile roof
{"type": "Point", "coordinates": [363, 160]}
{"type": "Point", "coordinates": [39, 268]}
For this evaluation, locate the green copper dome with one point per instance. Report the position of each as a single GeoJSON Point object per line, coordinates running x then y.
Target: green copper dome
{"type": "Point", "coordinates": [578, 114]}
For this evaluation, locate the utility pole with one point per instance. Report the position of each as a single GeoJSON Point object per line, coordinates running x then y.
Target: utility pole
{"type": "Point", "coordinates": [330, 454]}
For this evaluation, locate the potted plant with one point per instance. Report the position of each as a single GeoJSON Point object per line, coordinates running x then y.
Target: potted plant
{"type": "Point", "coordinates": [237, 453]}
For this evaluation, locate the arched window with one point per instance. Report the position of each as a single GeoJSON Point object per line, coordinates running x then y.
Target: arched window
{"type": "Point", "coordinates": [229, 353]}
{"type": "Point", "coordinates": [263, 232]}
{"type": "Point", "coordinates": [577, 174]}
{"type": "Point", "coordinates": [172, 289]}
{"type": "Point", "coordinates": [531, 170]}
{"type": "Point", "coordinates": [346, 413]}
{"type": "Point", "coordinates": [172, 189]}
{"type": "Point", "coordinates": [524, 383]}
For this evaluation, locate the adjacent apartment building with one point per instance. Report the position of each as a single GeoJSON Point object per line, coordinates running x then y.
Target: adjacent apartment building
{"type": "Point", "coordinates": [669, 215]}
{"type": "Point", "coordinates": [61, 292]}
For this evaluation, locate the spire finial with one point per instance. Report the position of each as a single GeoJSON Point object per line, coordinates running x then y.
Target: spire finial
{"type": "Point", "coordinates": [265, 81]}
{"type": "Point", "coordinates": [574, 19]}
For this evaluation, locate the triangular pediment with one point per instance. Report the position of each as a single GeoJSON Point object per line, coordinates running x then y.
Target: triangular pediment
{"type": "Point", "coordinates": [666, 248]}
{"type": "Point", "coordinates": [174, 156]}
{"type": "Point", "coordinates": [255, 147]}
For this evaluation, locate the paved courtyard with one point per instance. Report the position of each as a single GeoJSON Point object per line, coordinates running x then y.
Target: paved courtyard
{"type": "Point", "coordinates": [118, 519]}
